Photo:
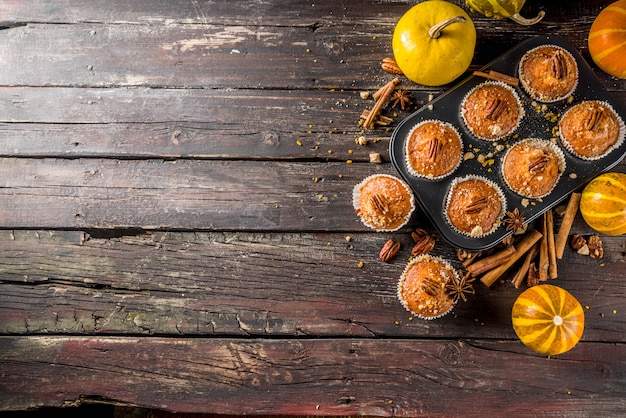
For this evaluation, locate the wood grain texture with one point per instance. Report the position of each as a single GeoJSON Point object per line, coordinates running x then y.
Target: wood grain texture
{"type": "Point", "coordinates": [177, 229]}
{"type": "Point", "coordinates": [262, 284]}
{"type": "Point", "coordinates": [339, 377]}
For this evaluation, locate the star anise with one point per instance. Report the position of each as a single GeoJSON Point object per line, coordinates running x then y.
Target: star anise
{"type": "Point", "coordinates": [514, 221]}
{"type": "Point", "coordinates": [458, 289]}
{"type": "Point", "coordinates": [401, 97]}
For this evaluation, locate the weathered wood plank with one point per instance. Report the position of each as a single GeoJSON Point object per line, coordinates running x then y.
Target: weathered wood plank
{"type": "Point", "coordinates": [183, 194]}
{"type": "Point", "coordinates": [245, 284]}
{"type": "Point", "coordinates": [310, 51]}
{"type": "Point", "coordinates": [166, 123]}
{"type": "Point", "coordinates": [339, 377]}
{"type": "Point", "coordinates": [194, 123]}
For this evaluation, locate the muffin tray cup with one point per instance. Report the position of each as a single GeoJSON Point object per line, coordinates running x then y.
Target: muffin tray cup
{"type": "Point", "coordinates": [431, 194]}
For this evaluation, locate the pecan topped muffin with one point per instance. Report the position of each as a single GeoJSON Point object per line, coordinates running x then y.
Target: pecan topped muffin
{"type": "Point", "coordinates": [383, 202]}
{"type": "Point", "coordinates": [532, 167]}
{"type": "Point", "coordinates": [423, 287]}
{"type": "Point", "coordinates": [475, 206]}
{"type": "Point", "coordinates": [548, 73]}
{"type": "Point", "coordinates": [433, 149]}
{"type": "Point", "coordinates": [492, 110]}
{"type": "Point", "coordinates": [591, 129]}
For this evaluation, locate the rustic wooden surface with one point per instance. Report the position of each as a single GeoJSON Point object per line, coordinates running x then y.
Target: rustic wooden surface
{"type": "Point", "coordinates": [175, 202]}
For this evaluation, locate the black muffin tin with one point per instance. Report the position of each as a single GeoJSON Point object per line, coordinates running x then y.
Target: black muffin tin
{"type": "Point", "coordinates": [431, 195]}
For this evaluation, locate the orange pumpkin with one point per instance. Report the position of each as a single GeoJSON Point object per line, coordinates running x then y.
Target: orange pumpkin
{"type": "Point", "coordinates": [607, 39]}
{"type": "Point", "coordinates": [548, 319]}
{"type": "Point", "coordinates": [603, 203]}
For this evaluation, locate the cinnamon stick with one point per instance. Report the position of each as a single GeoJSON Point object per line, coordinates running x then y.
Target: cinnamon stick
{"type": "Point", "coordinates": [494, 75]}
{"type": "Point", "coordinates": [566, 224]}
{"type": "Point", "coordinates": [521, 273]}
{"type": "Point", "coordinates": [492, 261]}
{"type": "Point", "coordinates": [552, 267]}
{"type": "Point", "coordinates": [521, 248]}
{"type": "Point", "coordinates": [543, 251]}
{"type": "Point", "coordinates": [385, 93]}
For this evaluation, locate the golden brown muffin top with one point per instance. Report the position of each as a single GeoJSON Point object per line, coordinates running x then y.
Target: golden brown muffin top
{"type": "Point", "coordinates": [548, 73]}
{"type": "Point", "coordinates": [491, 111]}
{"type": "Point", "coordinates": [532, 168]}
{"type": "Point", "coordinates": [474, 207]}
{"type": "Point", "coordinates": [433, 149]}
{"type": "Point", "coordinates": [422, 287]}
{"type": "Point", "coordinates": [383, 202]}
{"type": "Point", "coordinates": [590, 128]}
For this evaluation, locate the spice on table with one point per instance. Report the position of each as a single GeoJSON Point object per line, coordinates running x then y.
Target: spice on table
{"type": "Point", "coordinates": [492, 261]}
{"type": "Point", "coordinates": [552, 265]}
{"type": "Point", "coordinates": [524, 269]}
{"type": "Point", "coordinates": [381, 97]}
{"type": "Point", "coordinates": [514, 221]}
{"type": "Point", "coordinates": [458, 289]}
{"type": "Point", "coordinates": [496, 76]}
{"type": "Point", "coordinates": [401, 97]}
{"type": "Point", "coordinates": [521, 248]}
{"type": "Point", "coordinates": [566, 224]}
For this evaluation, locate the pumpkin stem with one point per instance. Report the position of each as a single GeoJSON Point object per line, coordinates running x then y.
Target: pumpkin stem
{"type": "Point", "coordinates": [435, 31]}
{"type": "Point", "coordinates": [517, 18]}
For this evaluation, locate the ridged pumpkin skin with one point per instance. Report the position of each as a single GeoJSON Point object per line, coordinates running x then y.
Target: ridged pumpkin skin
{"type": "Point", "coordinates": [607, 39]}
{"type": "Point", "coordinates": [603, 203]}
{"type": "Point", "coordinates": [498, 9]}
{"type": "Point", "coordinates": [548, 319]}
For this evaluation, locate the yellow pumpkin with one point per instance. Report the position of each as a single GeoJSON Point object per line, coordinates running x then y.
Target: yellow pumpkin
{"type": "Point", "coordinates": [607, 39]}
{"type": "Point", "coordinates": [433, 42]}
{"type": "Point", "coordinates": [548, 319]}
{"type": "Point", "coordinates": [603, 203]}
{"type": "Point", "coordinates": [499, 9]}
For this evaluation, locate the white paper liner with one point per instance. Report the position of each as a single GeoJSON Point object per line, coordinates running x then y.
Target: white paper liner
{"type": "Point", "coordinates": [620, 135]}
{"type": "Point", "coordinates": [497, 222]}
{"type": "Point", "coordinates": [522, 113]}
{"type": "Point", "coordinates": [356, 194]}
{"type": "Point", "coordinates": [537, 95]}
{"type": "Point", "coordinates": [446, 265]}
{"type": "Point", "coordinates": [410, 168]}
{"type": "Point", "coordinates": [542, 143]}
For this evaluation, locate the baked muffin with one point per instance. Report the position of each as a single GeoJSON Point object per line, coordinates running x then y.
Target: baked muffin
{"type": "Point", "coordinates": [475, 206]}
{"type": "Point", "coordinates": [433, 149]}
{"type": "Point", "coordinates": [532, 167]}
{"type": "Point", "coordinates": [548, 73]}
{"type": "Point", "coordinates": [492, 110]}
{"type": "Point", "coordinates": [591, 129]}
{"type": "Point", "coordinates": [422, 287]}
{"type": "Point", "coordinates": [383, 202]}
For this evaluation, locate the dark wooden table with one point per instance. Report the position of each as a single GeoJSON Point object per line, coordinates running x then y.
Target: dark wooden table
{"type": "Point", "coordinates": [178, 231]}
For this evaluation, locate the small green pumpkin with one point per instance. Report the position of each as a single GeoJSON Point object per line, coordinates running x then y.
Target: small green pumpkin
{"type": "Point", "coordinates": [500, 9]}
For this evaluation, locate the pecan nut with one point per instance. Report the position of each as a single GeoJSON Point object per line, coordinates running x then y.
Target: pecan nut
{"type": "Point", "coordinates": [558, 65]}
{"type": "Point", "coordinates": [577, 242]}
{"type": "Point", "coordinates": [434, 146]}
{"type": "Point", "coordinates": [431, 287]}
{"type": "Point", "coordinates": [592, 119]}
{"type": "Point", "coordinates": [389, 250]}
{"type": "Point", "coordinates": [391, 66]}
{"type": "Point", "coordinates": [494, 109]}
{"type": "Point", "coordinates": [423, 246]}
{"type": "Point", "coordinates": [476, 206]}
{"type": "Point", "coordinates": [538, 165]}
